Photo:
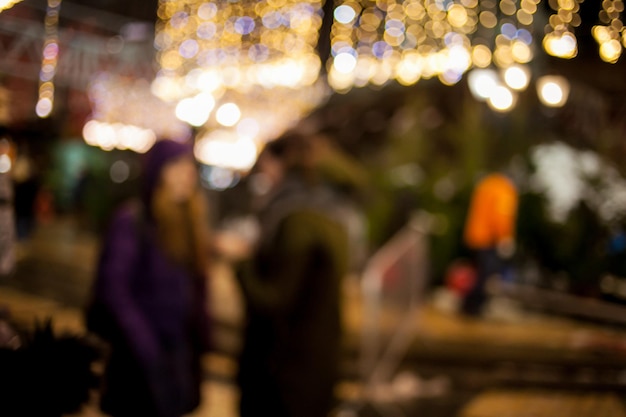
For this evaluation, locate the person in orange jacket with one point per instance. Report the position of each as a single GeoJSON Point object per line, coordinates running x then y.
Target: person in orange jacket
{"type": "Point", "coordinates": [490, 233]}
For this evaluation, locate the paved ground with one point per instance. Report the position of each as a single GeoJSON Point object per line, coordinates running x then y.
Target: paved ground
{"type": "Point", "coordinates": [514, 363]}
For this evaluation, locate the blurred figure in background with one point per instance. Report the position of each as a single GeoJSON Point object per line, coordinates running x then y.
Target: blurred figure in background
{"type": "Point", "coordinates": [490, 234]}
{"type": "Point", "coordinates": [291, 284]}
{"type": "Point", "coordinates": [149, 295]}
{"type": "Point", "coordinates": [26, 186]}
{"type": "Point", "coordinates": [7, 227]}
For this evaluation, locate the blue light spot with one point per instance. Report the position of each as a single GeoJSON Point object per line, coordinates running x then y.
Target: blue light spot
{"type": "Point", "coordinates": [244, 25]}
{"type": "Point", "coordinates": [189, 48]}
{"type": "Point", "coordinates": [508, 30]}
{"type": "Point", "coordinates": [272, 20]}
{"type": "Point", "coordinates": [381, 49]}
{"type": "Point", "coordinates": [524, 36]}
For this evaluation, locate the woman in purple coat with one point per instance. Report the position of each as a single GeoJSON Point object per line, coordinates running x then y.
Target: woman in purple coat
{"type": "Point", "coordinates": [151, 285]}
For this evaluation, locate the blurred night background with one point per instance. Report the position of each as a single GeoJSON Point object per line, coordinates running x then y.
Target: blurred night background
{"type": "Point", "coordinates": [417, 100]}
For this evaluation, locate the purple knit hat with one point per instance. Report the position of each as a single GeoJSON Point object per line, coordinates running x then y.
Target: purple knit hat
{"type": "Point", "coordinates": [156, 158]}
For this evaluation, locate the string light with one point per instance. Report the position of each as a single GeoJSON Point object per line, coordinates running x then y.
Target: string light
{"type": "Point", "coordinates": [560, 40]}
{"type": "Point", "coordinates": [611, 32]}
{"type": "Point", "coordinates": [45, 102]}
{"type": "Point", "coordinates": [126, 115]}
{"type": "Point", "coordinates": [376, 41]}
{"type": "Point", "coordinates": [259, 56]}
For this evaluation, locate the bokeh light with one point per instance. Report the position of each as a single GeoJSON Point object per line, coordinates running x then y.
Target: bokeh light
{"type": "Point", "coordinates": [482, 83]}
{"type": "Point", "coordinates": [502, 99]}
{"type": "Point", "coordinates": [553, 91]}
{"type": "Point", "coordinates": [517, 77]}
{"type": "Point", "coordinates": [228, 114]}
{"type": "Point", "coordinates": [257, 60]}
{"type": "Point", "coordinates": [126, 115]}
{"type": "Point", "coordinates": [7, 4]}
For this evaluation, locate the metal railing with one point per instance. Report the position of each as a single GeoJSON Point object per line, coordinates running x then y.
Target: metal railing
{"type": "Point", "coordinates": [392, 287]}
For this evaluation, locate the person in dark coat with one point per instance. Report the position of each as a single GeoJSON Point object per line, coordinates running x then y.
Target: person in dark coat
{"type": "Point", "coordinates": [291, 284]}
{"type": "Point", "coordinates": [151, 284]}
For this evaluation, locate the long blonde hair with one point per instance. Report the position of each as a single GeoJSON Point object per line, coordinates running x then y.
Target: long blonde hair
{"type": "Point", "coordinates": [183, 228]}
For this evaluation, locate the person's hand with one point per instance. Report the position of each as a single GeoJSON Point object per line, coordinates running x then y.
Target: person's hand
{"type": "Point", "coordinates": [231, 246]}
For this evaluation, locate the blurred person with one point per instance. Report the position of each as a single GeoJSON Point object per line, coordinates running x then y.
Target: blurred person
{"type": "Point", "coordinates": [490, 234]}
{"type": "Point", "coordinates": [149, 295]}
{"type": "Point", "coordinates": [349, 183]}
{"type": "Point", "coordinates": [7, 227]}
{"type": "Point", "coordinates": [291, 284]}
{"type": "Point", "coordinates": [26, 185]}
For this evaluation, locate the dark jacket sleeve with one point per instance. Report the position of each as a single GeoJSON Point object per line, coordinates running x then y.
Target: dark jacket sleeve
{"type": "Point", "coordinates": [274, 289]}
{"type": "Point", "coordinates": [117, 265]}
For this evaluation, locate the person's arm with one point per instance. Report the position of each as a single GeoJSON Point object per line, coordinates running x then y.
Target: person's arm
{"type": "Point", "coordinates": [291, 251]}
{"type": "Point", "coordinates": [116, 272]}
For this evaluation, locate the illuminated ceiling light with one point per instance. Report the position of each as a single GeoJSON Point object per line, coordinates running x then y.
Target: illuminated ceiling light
{"type": "Point", "coordinates": [502, 99]}
{"type": "Point", "coordinates": [228, 114]}
{"type": "Point", "coordinates": [517, 77]}
{"type": "Point", "coordinates": [482, 83]}
{"type": "Point", "coordinates": [553, 91]}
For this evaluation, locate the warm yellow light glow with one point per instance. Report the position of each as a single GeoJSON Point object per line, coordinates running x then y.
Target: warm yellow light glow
{"type": "Point", "coordinates": [257, 60]}
{"type": "Point", "coordinates": [482, 83]}
{"type": "Point", "coordinates": [564, 46]}
{"type": "Point", "coordinates": [517, 77]}
{"type": "Point", "coordinates": [560, 40]}
{"type": "Point", "coordinates": [409, 70]}
{"type": "Point", "coordinates": [611, 51]}
{"type": "Point", "coordinates": [195, 110]}
{"type": "Point", "coordinates": [7, 4]}
{"type": "Point", "coordinates": [111, 136]}
{"type": "Point", "coordinates": [126, 115]}
{"type": "Point", "coordinates": [457, 15]}
{"type": "Point", "coordinates": [601, 34]}
{"type": "Point", "coordinates": [481, 56]}
{"type": "Point", "coordinates": [521, 52]}
{"type": "Point", "coordinates": [228, 114]}
{"type": "Point", "coordinates": [403, 40]}
{"type": "Point", "coordinates": [226, 149]}
{"type": "Point", "coordinates": [553, 91]}
{"type": "Point", "coordinates": [488, 19]}
{"type": "Point", "coordinates": [502, 99]}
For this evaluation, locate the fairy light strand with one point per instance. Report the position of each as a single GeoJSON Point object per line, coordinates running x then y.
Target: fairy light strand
{"type": "Point", "coordinates": [610, 35]}
{"type": "Point", "coordinates": [50, 57]}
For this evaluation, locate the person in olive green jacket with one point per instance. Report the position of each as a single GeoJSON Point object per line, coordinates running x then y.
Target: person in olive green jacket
{"type": "Point", "coordinates": [291, 285]}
